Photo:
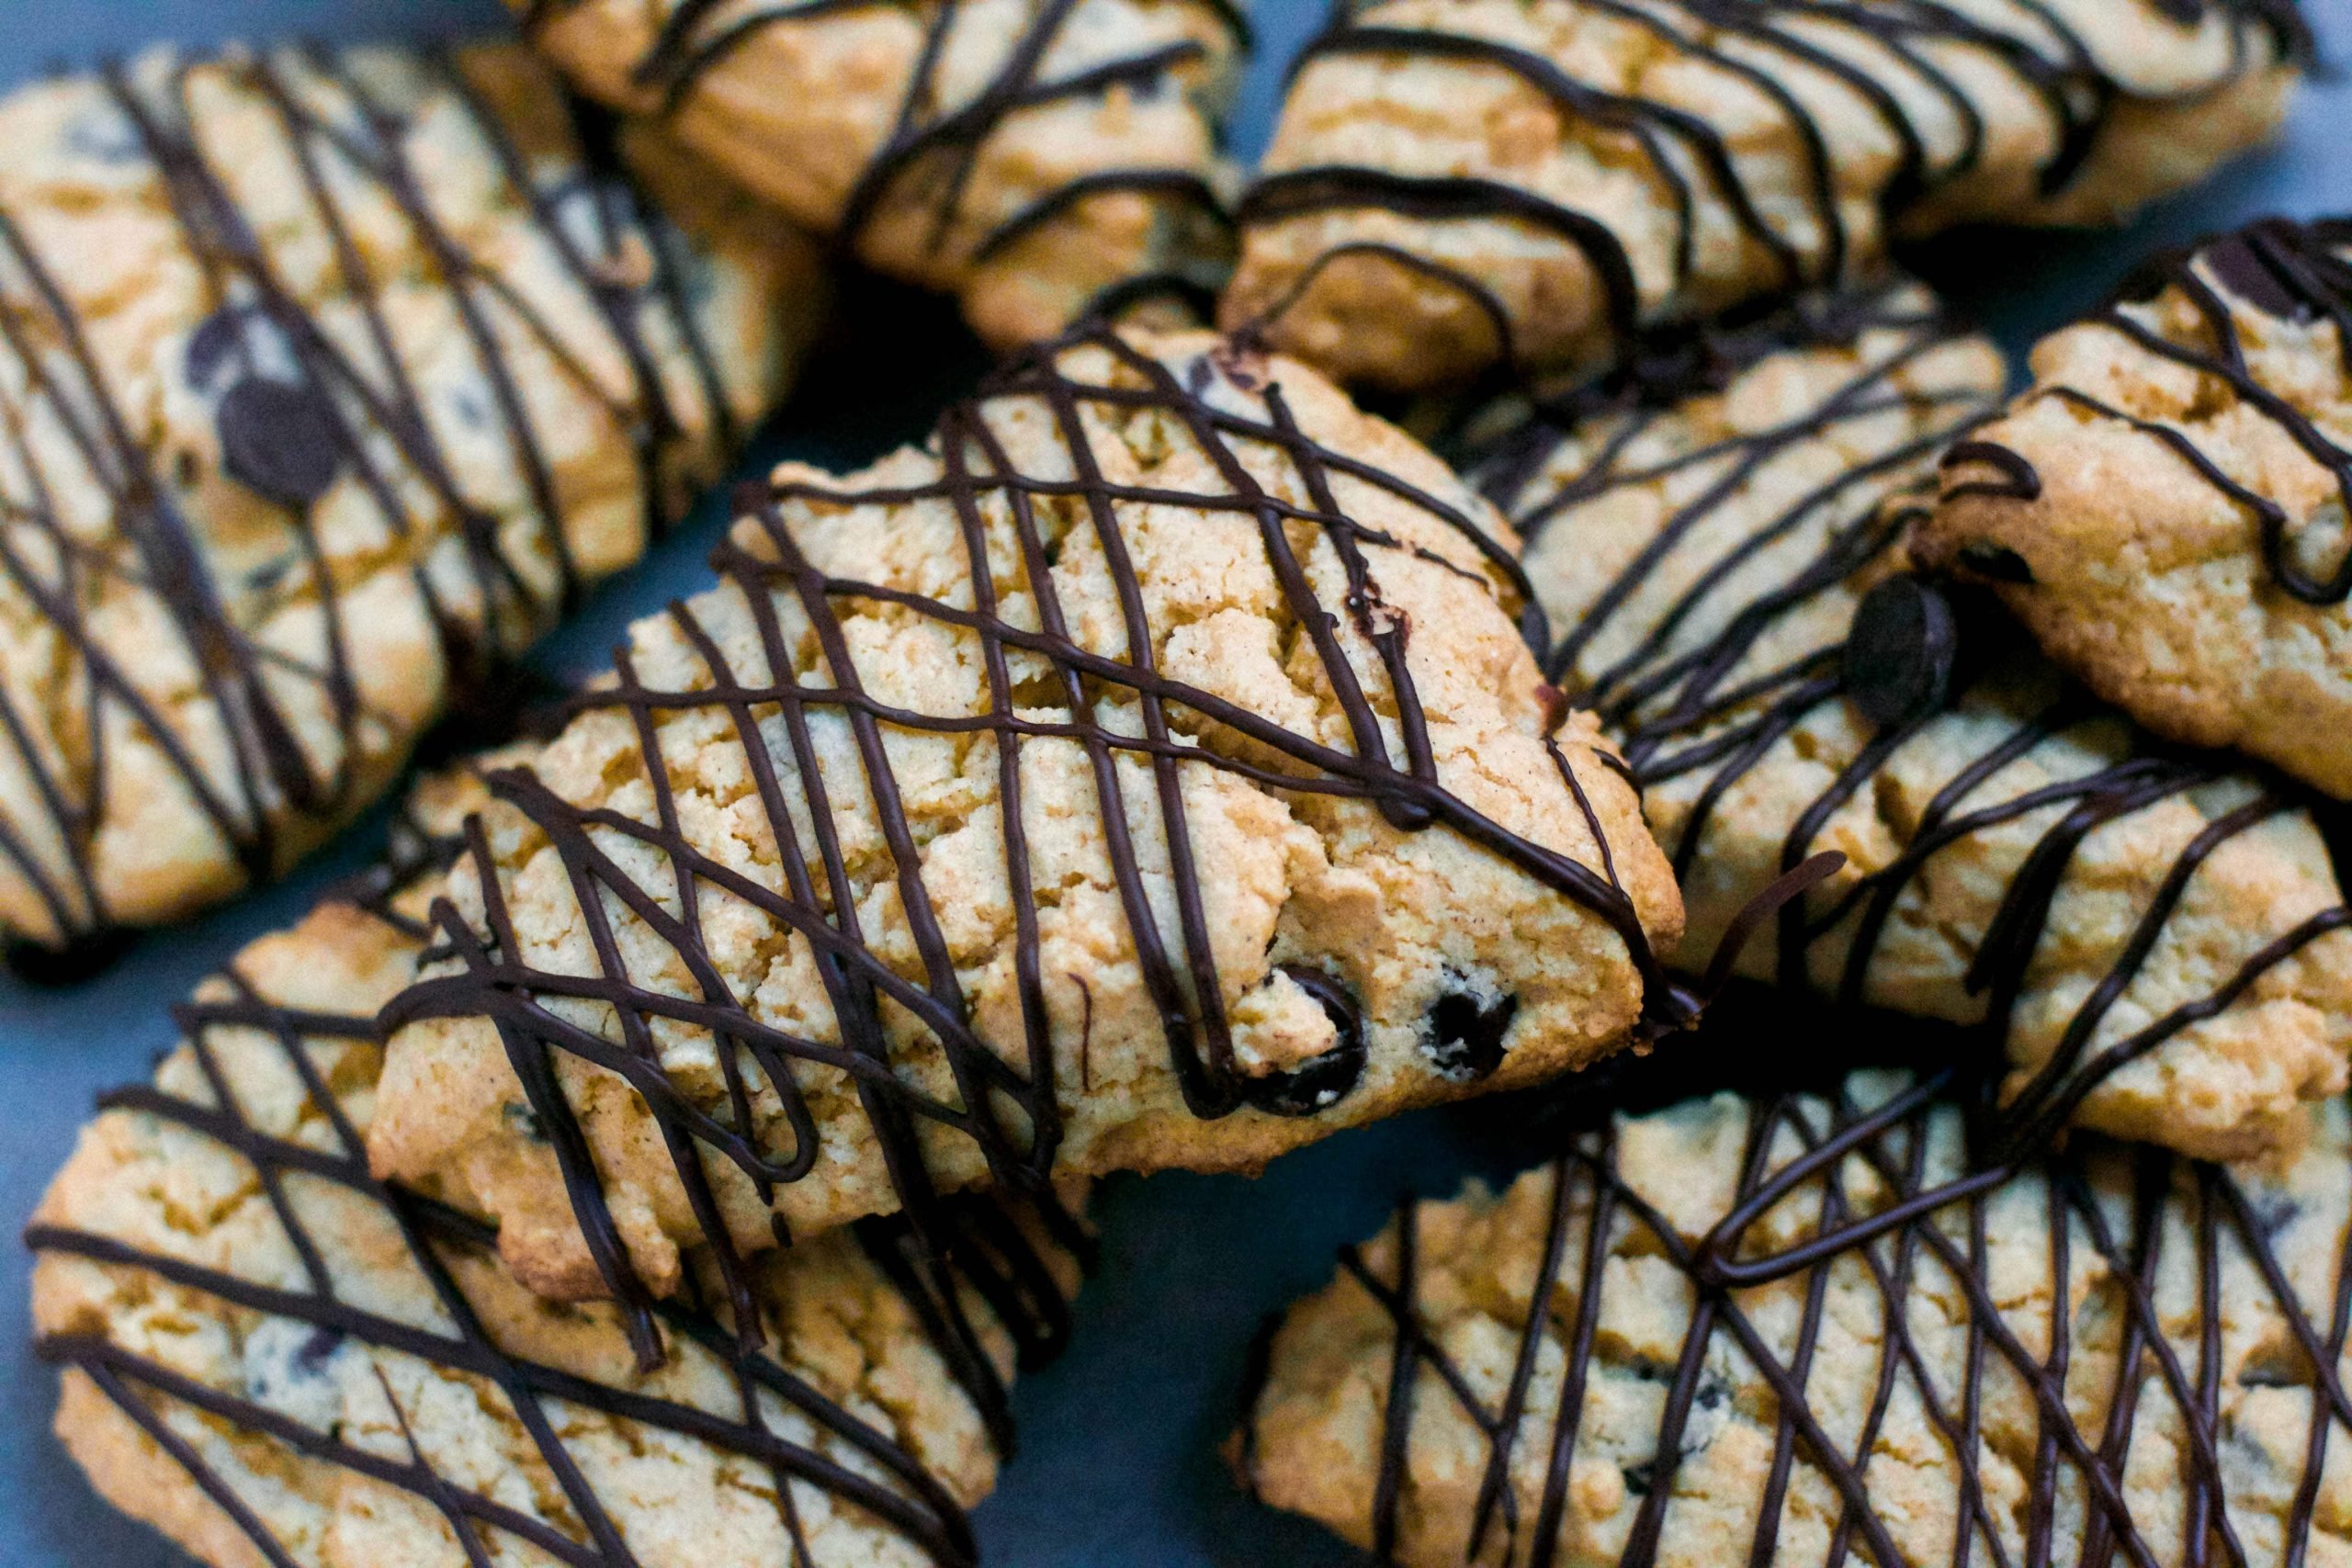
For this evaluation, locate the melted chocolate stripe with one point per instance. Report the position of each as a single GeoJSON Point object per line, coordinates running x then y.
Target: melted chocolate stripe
{"type": "Point", "coordinates": [979, 1247]}
{"type": "Point", "coordinates": [272, 774]}
{"type": "Point", "coordinates": [1727, 35]}
{"type": "Point", "coordinates": [1006, 1104]}
{"type": "Point", "coordinates": [1914, 1220]}
{"type": "Point", "coordinates": [2277, 267]}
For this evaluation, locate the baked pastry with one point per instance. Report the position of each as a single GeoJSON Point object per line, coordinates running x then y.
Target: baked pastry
{"type": "Point", "coordinates": [2153, 942]}
{"type": "Point", "coordinates": [274, 1358]}
{"type": "Point", "coordinates": [2166, 506]}
{"type": "Point", "coordinates": [1461, 185]}
{"type": "Point", "coordinates": [1301, 840]}
{"type": "Point", "coordinates": [326, 382]}
{"type": "Point", "coordinates": [1788, 1331]}
{"type": "Point", "coordinates": [1039, 159]}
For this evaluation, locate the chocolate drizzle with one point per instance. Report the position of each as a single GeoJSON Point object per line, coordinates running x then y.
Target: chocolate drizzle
{"type": "Point", "coordinates": [976, 1253]}
{"type": "Point", "coordinates": [1859, 1183]}
{"type": "Point", "coordinates": [2296, 272]}
{"type": "Point", "coordinates": [1900, 62]}
{"type": "Point", "coordinates": [938, 135]}
{"type": "Point", "coordinates": [301, 410]}
{"type": "Point", "coordinates": [1704, 713]}
{"type": "Point", "coordinates": [1005, 1099]}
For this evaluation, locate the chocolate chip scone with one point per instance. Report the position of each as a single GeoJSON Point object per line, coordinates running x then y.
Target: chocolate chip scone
{"type": "Point", "coordinates": [1790, 1331]}
{"type": "Point", "coordinates": [1458, 184]}
{"type": "Point", "coordinates": [2167, 507]}
{"type": "Point", "coordinates": [326, 382]}
{"type": "Point", "coordinates": [2155, 942]}
{"type": "Point", "coordinates": [1223, 809]}
{"type": "Point", "coordinates": [1039, 159]}
{"type": "Point", "coordinates": [273, 1358]}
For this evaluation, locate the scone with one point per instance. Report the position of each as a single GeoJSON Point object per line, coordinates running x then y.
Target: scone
{"type": "Point", "coordinates": [1458, 186]}
{"type": "Point", "coordinates": [327, 381]}
{"type": "Point", "coordinates": [1039, 159]}
{"type": "Point", "coordinates": [274, 1358]}
{"type": "Point", "coordinates": [1223, 809]}
{"type": "Point", "coordinates": [1714, 1335]}
{"type": "Point", "coordinates": [2153, 942]}
{"type": "Point", "coordinates": [2166, 506]}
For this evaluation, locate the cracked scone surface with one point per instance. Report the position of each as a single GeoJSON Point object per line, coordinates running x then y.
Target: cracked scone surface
{"type": "Point", "coordinates": [1038, 159]}
{"type": "Point", "coordinates": [329, 381]}
{"type": "Point", "coordinates": [1457, 185]}
{"type": "Point", "coordinates": [2112, 1353]}
{"type": "Point", "coordinates": [2153, 941]}
{"type": "Point", "coordinates": [2166, 506]}
{"type": "Point", "coordinates": [272, 1358]}
{"type": "Point", "coordinates": [1223, 809]}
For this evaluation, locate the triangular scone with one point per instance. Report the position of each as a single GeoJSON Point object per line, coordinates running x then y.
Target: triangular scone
{"type": "Point", "coordinates": [1224, 809]}
{"type": "Point", "coordinates": [1670, 1347]}
{"type": "Point", "coordinates": [328, 380]}
{"type": "Point", "coordinates": [272, 1358]}
{"type": "Point", "coordinates": [2154, 942]}
{"type": "Point", "coordinates": [1456, 185]}
{"type": "Point", "coordinates": [1039, 159]}
{"type": "Point", "coordinates": [2167, 507]}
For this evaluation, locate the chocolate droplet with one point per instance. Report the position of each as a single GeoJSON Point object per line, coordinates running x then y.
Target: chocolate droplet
{"type": "Point", "coordinates": [1326, 1080]}
{"type": "Point", "coordinates": [1466, 1032]}
{"type": "Point", "coordinates": [1900, 650]}
{"type": "Point", "coordinates": [279, 441]}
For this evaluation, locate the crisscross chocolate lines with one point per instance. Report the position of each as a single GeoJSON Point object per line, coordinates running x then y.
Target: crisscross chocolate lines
{"type": "Point", "coordinates": [1758, 43]}
{"type": "Point", "coordinates": [2116, 1220]}
{"type": "Point", "coordinates": [300, 407]}
{"type": "Point", "coordinates": [2297, 271]}
{"type": "Point", "coordinates": [939, 131]}
{"type": "Point", "coordinates": [1003, 1099]}
{"type": "Point", "coordinates": [777, 1419]}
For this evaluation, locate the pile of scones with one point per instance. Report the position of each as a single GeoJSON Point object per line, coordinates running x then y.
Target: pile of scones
{"type": "Point", "coordinates": [673, 1150]}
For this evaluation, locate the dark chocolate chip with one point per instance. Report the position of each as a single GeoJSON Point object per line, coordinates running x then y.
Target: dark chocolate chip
{"type": "Point", "coordinates": [1996, 561]}
{"type": "Point", "coordinates": [310, 1360]}
{"type": "Point", "coordinates": [1900, 650]}
{"type": "Point", "coordinates": [1467, 1033]}
{"type": "Point", "coordinates": [279, 441]}
{"type": "Point", "coordinates": [1326, 1080]}
{"type": "Point", "coordinates": [1639, 1477]}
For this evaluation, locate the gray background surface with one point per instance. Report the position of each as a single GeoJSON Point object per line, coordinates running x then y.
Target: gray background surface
{"type": "Point", "coordinates": [1118, 1466]}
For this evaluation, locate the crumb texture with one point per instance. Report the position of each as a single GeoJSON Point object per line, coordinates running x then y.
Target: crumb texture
{"type": "Point", "coordinates": [2155, 942]}
{"type": "Point", "coordinates": [1148, 773]}
{"type": "Point", "coordinates": [1463, 185]}
{"type": "Point", "coordinates": [2116, 1353]}
{"type": "Point", "coordinates": [1037, 158]}
{"type": "Point", "coordinates": [327, 381]}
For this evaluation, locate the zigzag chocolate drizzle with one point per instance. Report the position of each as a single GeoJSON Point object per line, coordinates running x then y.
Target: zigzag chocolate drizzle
{"type": "Point", "coordinates": [2300, 272]}
{"type": "Point", "coordinates": [1694, 161]}
{"type": "Point", "coordinates": [696, 36]}
{"type": "Point", "coordinates": [1859, 1190]}
{"type": "Point", "coordinates": [299, 409]}
{"type": "Point", "coordinates": [1705, 712]}
{"type": "Point", "coordinates": [973, 1249]}
{"type": "Point", "coordinates": [1008, 1109]}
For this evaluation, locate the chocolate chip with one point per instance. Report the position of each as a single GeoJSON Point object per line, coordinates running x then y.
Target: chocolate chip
{"type": "Point", "coordinates": [524, 1120]}
{"type": "Point", "coordinates": [1639, 1477]}
{"type": "Point", "coordinates": [1466, 1031]}
{"type": "Point", "coordinates": [1996, 561]}
{"type": "Point", "coordinates": [280, 442]}
{"type": "Point", "coordinates": [311, 1359]}
{"type": "Point", "coordinates": [1326, 1080]}
{"type": "Point", "coordinates": [1900, 650]}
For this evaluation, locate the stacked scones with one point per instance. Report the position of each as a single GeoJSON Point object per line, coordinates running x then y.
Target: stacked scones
{"type": "Point", "coordinates": [671, 1151]}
